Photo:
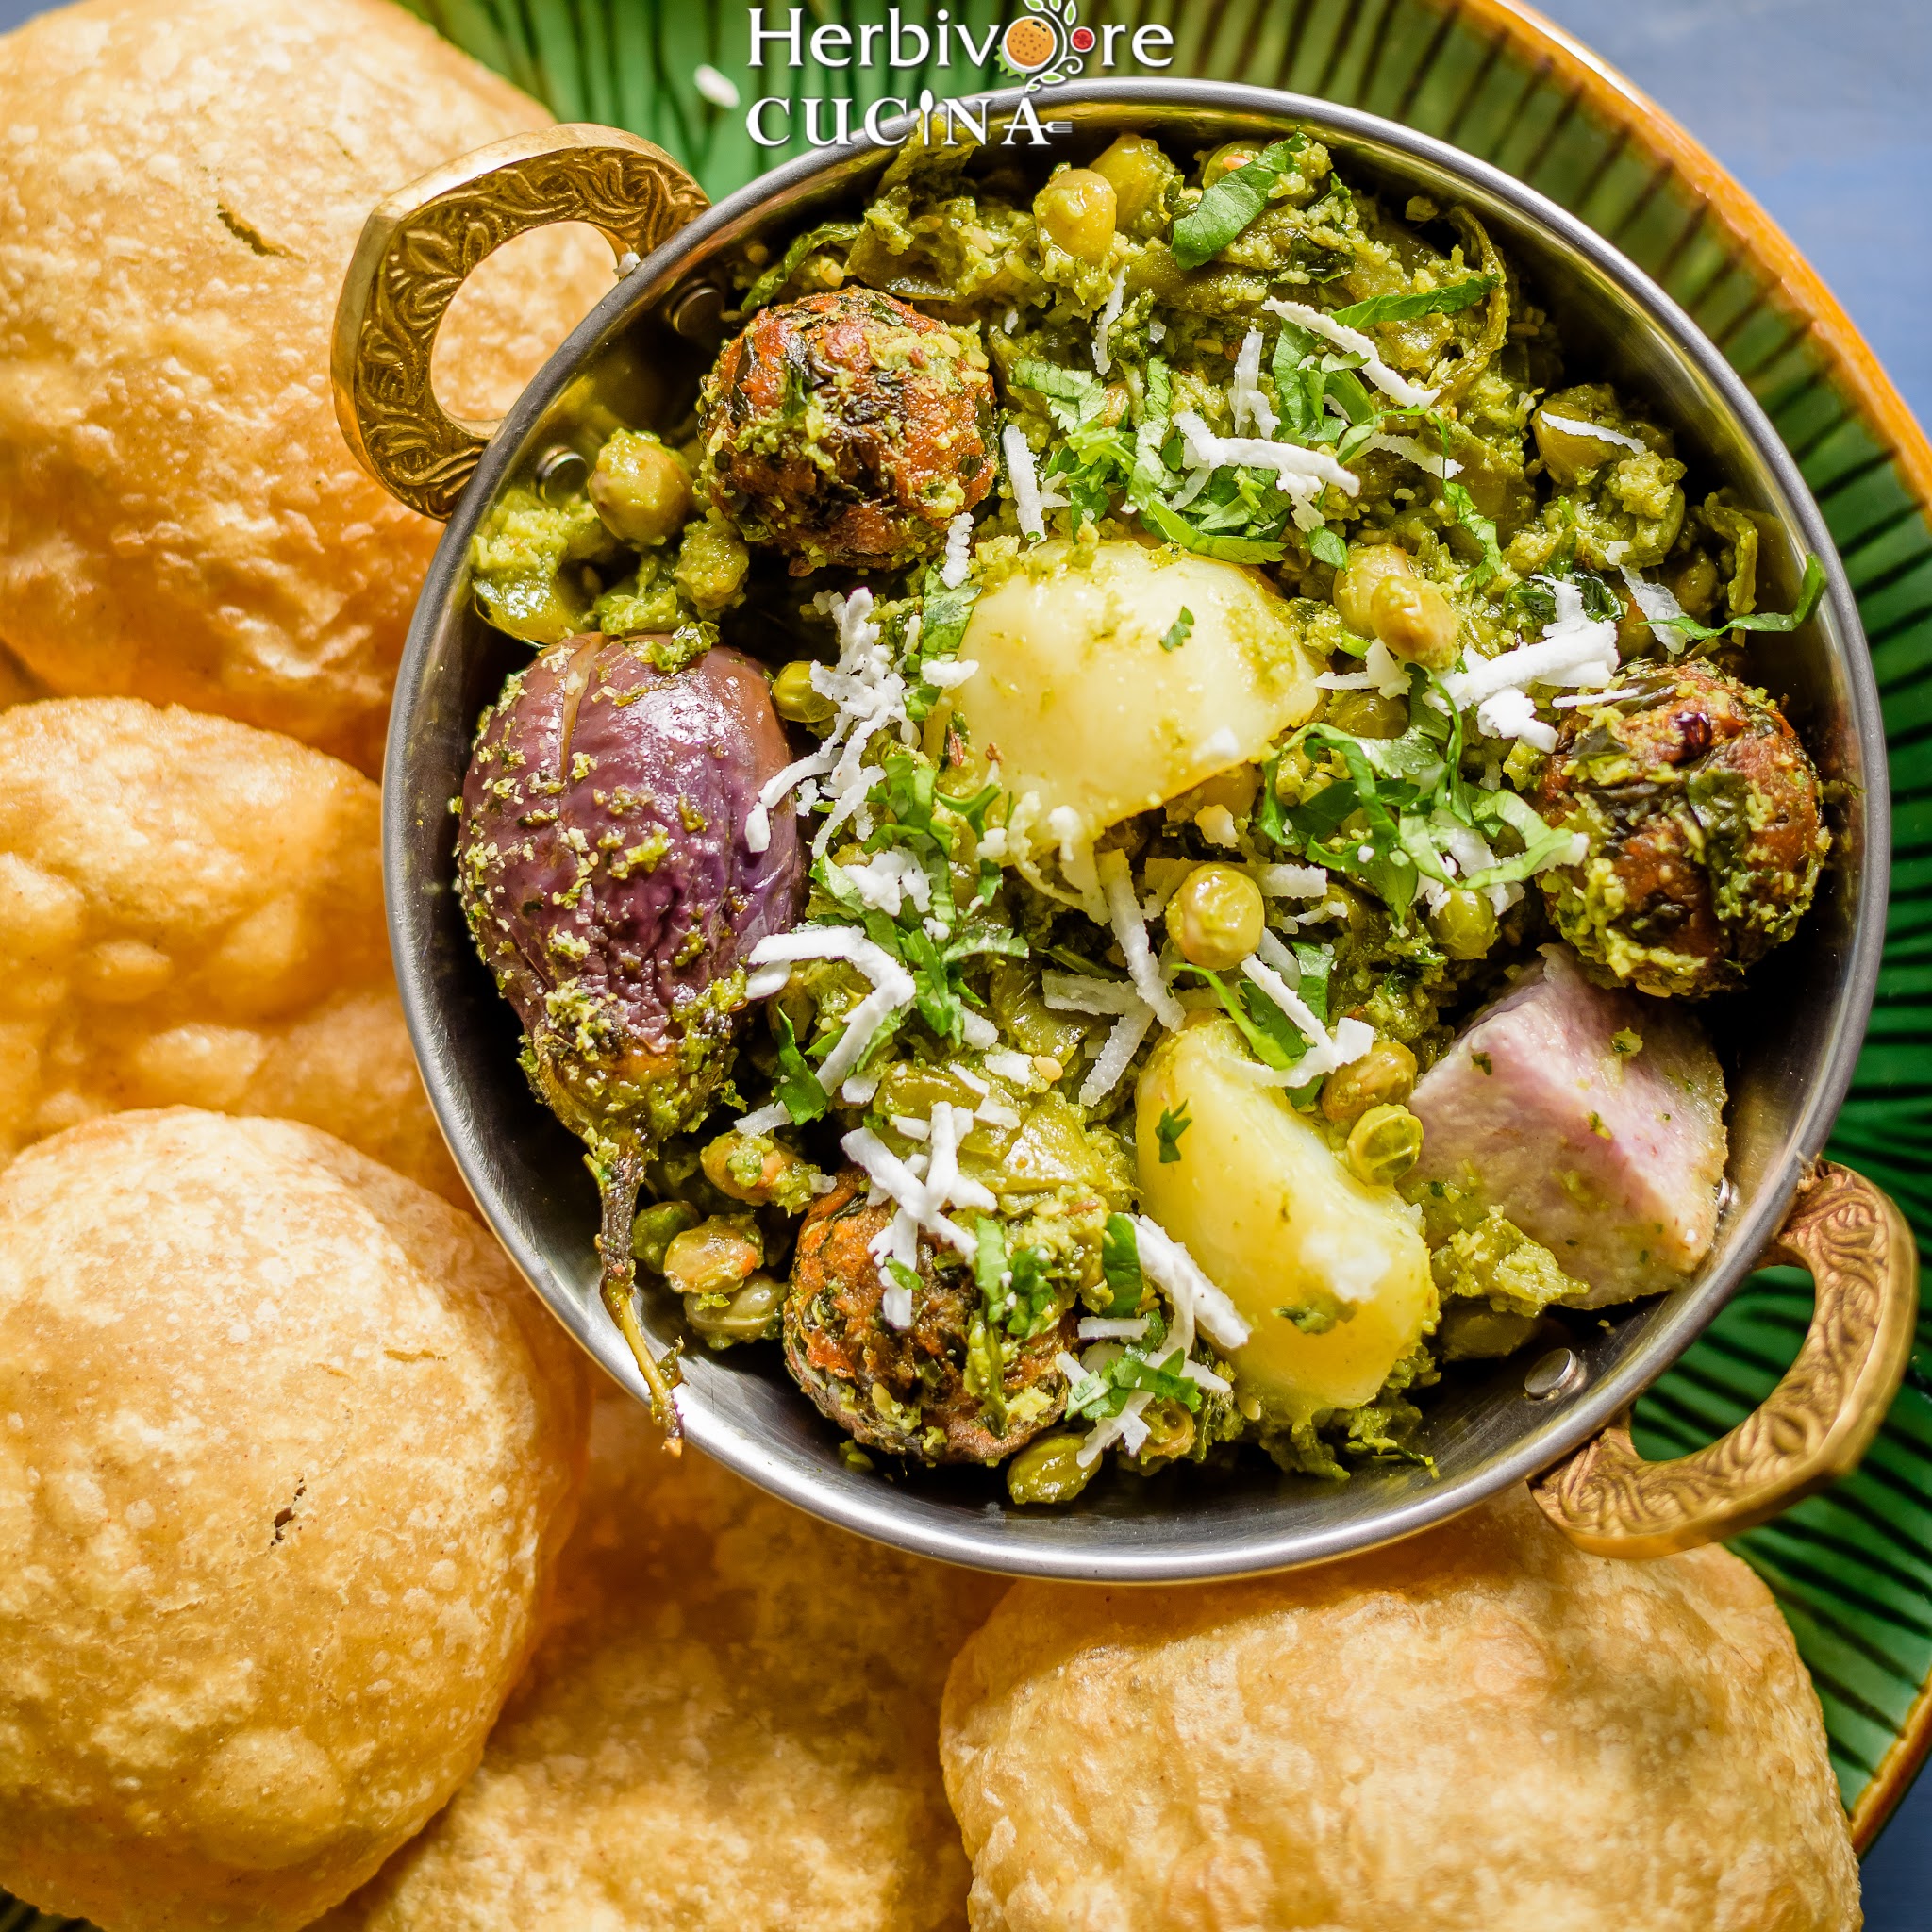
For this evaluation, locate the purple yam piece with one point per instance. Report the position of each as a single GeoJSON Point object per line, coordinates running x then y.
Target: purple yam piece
{"type": "Point", "coordinates": [1613, 1160]}
{"type": "Point", "coordinates": [603, 834]}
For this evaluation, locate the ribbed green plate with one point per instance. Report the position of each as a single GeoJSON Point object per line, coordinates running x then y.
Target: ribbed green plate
{"type": "Point", "coordinates": [1851, 1569]}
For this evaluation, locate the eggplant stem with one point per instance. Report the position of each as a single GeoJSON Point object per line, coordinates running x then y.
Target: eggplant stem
{"type": "Point", "coordinates": [618, 1188]}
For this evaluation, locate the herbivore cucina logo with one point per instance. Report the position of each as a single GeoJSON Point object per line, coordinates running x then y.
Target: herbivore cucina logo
{"type": "Point", "coordinates": [1042, 47]}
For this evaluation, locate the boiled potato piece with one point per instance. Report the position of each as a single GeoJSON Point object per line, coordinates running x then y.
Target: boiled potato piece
{"type": "Point", "coordinates": [1260, 1200]}
{"type": "Point", "coordinates": [1089, 712]}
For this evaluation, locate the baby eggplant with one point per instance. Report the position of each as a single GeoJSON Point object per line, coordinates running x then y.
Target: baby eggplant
{"type": "Point", "coordinates": [603, 868]}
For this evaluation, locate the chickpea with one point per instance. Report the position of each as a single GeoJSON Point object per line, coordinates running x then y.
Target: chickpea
{"type": "Point", "coordinates": [1464, 924]}
{"type": "Point", "coordinates": [1216, 917]}
{"type": "Point", "coordinates": [1235, 788]}
{"type": "Point", "coordinates": [1367, 567]}
{"type": "Point", "coordinates": [1568, 455]}
{"type": "Point", "coordinates": [640, 489]}
{"type": "Point", "coordinates": [1048, 1469]}
{"type": "Point", "coordinates": [716, 1257]}
{"type": "Point", "coordinates": [1226, 158]}
{"type": "Point", "coordinates": [1384, 1143]}
{"type": "Point", "coordinates": [1384, 1076]}
{"type": "Point", "coordinates": [1695, 585]}
{"type": "Point", "coordinates": [657, 1227]}
{"type": "Point", "coordinates": [1138, 171]}
{"type": "Point", "coordinates": [711, 565]}
{"type": "Point", "coordinates": [1416, 620]}
{"type": "Point", "coordinates": [1076, 209]}
{"type": "Point", "coordinates": [753, 1169]}
{"type": "Point", "coordinates": [794, 696]}
{"type": "Point", "coordinates": [1367, 714]}
{"type": "Point", "coordinates": [749, 1314]}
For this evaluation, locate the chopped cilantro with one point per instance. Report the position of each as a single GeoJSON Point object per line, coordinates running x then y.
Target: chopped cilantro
{"type": "Point", "coordinates": [797, 1087]}
{"type": "Point", "coordinates": [1177, 530]}
{"type": "Point", "coordinates": [1444, 301]}
{"type": "Point", "coordinates": [1478, 527]}
{"type": "Point", "coordinates": [1120, 1264]}
{"type": "Point", "coordinates": [1481, 1062]}
{"type": "Point", "coordinates": [1598, 1128]}
{"type": "Point", "coordinates": [1328, 547]}
{"type": "Point", "coordinates": [1073, 396]}
{"type": "Point", "coordinates": [1627, 1041]}
{"type": "Point", "coordinates": [1168, 1131]}
{"type": "Point", "coordinates": [1176, 633]}
{"type": "Point", "coordinates": [1231, 204]}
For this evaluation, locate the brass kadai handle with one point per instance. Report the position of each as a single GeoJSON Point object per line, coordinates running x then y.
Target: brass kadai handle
{"type": "Point", "coordinates": [1811, 1429]}
{"type": "Point", "coordinates": [416, 251]}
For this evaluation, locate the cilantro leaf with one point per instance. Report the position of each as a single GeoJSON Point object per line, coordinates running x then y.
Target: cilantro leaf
{"type": "Point", "coordinates": [945, 612]}
{"type": "Point", "coordinates": [1478, 527]}
{"type": "Point", "coordinates": [798, 1088]}
{"type": "Point", "coordinates": [1328, 547]}
{"type": "Point", "coordinates": [1176, 633]}
{"type": "Point", "coordinates": [1231, 204]}
{"type": "Point", "coordinates": [1404, 307]}
{"type": "Point", "coordinates": [1073, 397]}
{"type": "Point", "coordinates": [1809, 593]}
{"type": "Point", "coordinates": [1168, 1131]}
{"type": "Point", "coordinates": [1177, 530]}
{"type": "Point", "coordinates": [1120, 1264]}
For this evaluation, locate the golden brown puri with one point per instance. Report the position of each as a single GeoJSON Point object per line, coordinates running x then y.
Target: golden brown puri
{"type": "Point", "coordinates": [1481, 1726]}
{"type": "Point", "coordinates": [287, 1453]}
{"type": "Point", "coordinates": [190, 913]}
{"type": "Point", "coordinates": [729, 1726]}
{"type": "Point", "coordinates": [18, 685]}
{"type": "Point", "coordinates": [182, 186]}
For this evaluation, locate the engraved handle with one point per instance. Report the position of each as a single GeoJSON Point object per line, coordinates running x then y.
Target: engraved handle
{"type": "Point", "coordinates": [1811, 1429]}
{"type": "Point", "coordinates": [421, 245]}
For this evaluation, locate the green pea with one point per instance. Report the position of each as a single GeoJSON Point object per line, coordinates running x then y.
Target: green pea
{"type": "Point", "coordinates": [639, 488]}
{"type": "Point", "coordinates": [1384, 1143]}
{"type": "Point", "coordinates": [1048, 1469]}
{"type": "Point", "coordinates": [1464, 924]}
{"type": "Point", "coordinates": [657, 1227]}
{"type": "Point", "coordinates": [750, 1313]}
{"type": "Point", "coordinates": [1216, 917]}
{"type": "Point", "coordinates": [793, 695]}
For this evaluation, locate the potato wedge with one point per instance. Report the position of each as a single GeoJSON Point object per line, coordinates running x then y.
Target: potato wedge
{"type": "Point", "coordinates": [1260, 1200]}
{"type": "Point", "coordinates": [1089, 710]}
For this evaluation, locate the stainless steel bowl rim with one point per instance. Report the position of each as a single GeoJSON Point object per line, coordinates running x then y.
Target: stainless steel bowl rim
{"type": "Point", "coordinates": [873, 1508]}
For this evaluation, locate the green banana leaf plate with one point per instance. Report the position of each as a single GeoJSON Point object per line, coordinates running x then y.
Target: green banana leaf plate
{"type": "Point", "coordinates": [1851, 1569]}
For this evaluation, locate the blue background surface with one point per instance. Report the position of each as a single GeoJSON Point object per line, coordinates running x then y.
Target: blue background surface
{"type": "Point", "coordinates": [1824, 112]}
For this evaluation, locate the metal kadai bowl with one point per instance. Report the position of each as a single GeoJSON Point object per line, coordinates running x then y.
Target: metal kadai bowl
{"type": "Point", "coordinates": [1788, 1042]}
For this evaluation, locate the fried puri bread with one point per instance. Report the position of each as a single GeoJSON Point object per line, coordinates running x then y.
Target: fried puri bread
{"type": "Point", "coordinates": [194, 917]}
{"type": "Point", "coordinates": [182, 183]}
{"type": "Point", "coordinates": [288, 1454]}
{"type": "Point", "coordinates": [731, 1724]}
{"type": "Point", "coordinates": [1480, 1726]}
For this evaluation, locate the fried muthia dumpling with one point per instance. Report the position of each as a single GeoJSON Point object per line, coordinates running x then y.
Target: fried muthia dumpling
{"type": "Point", "coordinates": [1479, 1726]}
{"type": "Point", "coordinates": [603, 868]}
{"type": "Point", "coordinates": [1703, 814]}
{"type": "Point", "coordinates": [908, 1391]}
{"type": "Point", "coordinates": [848, 428]}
